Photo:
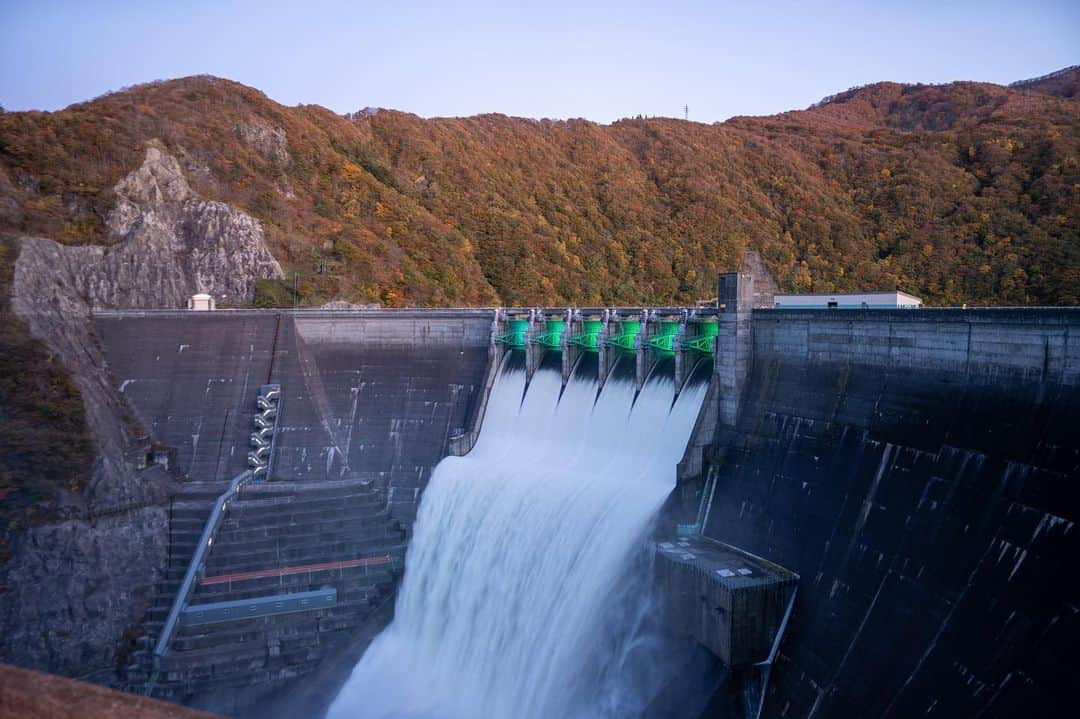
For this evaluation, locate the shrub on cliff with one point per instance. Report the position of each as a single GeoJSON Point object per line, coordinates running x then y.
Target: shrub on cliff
{"type": "Point", "coordinates": [272, 293]}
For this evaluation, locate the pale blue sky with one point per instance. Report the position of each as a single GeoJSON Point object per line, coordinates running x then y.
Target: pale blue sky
{"type": "Point", "coordinates": [553, 59]}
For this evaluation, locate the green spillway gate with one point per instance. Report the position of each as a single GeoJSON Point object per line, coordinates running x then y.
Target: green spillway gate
{"type": "Point", "coordinates": [517, 330]}
{"type": "Point", "coordinates": [626, 339]}
{"type": "Point", "coordinates": [664, 341]}
{"type": "Point", "coordinates": [589, 337]}
{"type": "Point", "coordinates": [551, 337]}
{"type": "Point", "coordinates": [706, 339]}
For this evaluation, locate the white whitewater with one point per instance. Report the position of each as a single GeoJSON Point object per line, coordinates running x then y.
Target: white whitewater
{"type": "Point", "coordinates": [524, 593]}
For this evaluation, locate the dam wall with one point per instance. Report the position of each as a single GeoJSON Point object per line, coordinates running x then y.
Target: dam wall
{"type": "Point", "coordinates": [368, 394]}
{"type": "Point", "coordinates": [369, 401]}
{"type": "Point", "coordinates": [191, 380]}
{"type": "Point", "coordinates": [917, 469]}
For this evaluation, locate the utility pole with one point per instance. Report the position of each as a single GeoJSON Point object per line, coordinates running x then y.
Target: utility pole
{"type": "Point", "coordinates": [686, 112]}
{"type": "Point", "coordinates": [295, 290]}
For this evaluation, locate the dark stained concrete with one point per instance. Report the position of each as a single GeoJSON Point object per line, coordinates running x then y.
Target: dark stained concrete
{"type": "Point", "coordinates": [919, 471]}
{"type": "Point", "coordinates": [192, 379]}
{"type": "Point", "coordinates": [389, 403]}
{"type": "Point", "coordinates": [729, 601]}
{"type": "Point", "coordinates": [369, 394]}
{"type": "Point", "coordinates": [369, 402]}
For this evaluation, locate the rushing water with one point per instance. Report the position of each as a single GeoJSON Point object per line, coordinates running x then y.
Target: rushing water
{"type": "Point", "coordinates": [525, 593]}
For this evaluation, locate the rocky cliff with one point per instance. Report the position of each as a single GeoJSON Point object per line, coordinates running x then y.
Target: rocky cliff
{"type": "Point", "coordinates": [171, 244]}
{"type": "Point", "coordinates": [73, 587]}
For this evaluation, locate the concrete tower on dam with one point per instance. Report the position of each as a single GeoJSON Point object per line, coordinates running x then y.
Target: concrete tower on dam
{"type": "Point", "coordinates": [873, 515]}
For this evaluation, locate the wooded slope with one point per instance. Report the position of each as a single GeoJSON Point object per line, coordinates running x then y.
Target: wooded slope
{"type": "Point", "coordinates": [959, 193]}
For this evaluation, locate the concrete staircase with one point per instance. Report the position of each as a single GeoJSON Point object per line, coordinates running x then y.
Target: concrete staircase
{"type": "Point", "coordinates": [187, 516]}
{"type": "Point", "coordinates": [267, 545]}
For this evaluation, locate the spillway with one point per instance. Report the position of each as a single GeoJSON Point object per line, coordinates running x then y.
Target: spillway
{"type": "Point", "coordinates": [526, 588]}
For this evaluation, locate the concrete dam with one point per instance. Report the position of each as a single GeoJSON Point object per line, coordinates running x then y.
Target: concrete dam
{"type": "Point", "coordinates": [658, 512]}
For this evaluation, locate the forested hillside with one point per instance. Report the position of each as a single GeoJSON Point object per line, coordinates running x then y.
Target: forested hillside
{"type": "Point", "coordinates": [961, 193]}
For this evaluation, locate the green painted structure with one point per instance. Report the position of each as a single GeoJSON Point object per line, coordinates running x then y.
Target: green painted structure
{"type": "Point", "coordinates": [664, 341]}
{"type": "Point", "coordinates": [589, 337]}
{"type": "Point", "coordinates": [627, 337]}
{"type": "Point", "coordinates": [551, 337]}
{"type": "Point", "coordinates": [706, 338]}
{"type": "Point", "coordinates": [517, 331]}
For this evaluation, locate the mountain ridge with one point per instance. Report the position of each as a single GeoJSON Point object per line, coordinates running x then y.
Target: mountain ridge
{"type": "Point", "coordinates": [964, 192]}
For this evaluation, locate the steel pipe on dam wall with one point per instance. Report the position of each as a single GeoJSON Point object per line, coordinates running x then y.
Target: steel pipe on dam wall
{"type": "Point", "coordinates": [918, 469]}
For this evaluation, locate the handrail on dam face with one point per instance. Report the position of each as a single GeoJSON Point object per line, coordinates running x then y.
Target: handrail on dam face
{"type": "Point", "coordinates": [198, 563]}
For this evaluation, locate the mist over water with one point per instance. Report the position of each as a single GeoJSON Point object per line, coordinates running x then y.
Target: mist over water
{"type": "Point", "coordinates": [526, 592]}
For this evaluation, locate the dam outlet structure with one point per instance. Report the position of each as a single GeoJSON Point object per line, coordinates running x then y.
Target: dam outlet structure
{"type": "Point", "coordinates": [527, 592]}
{"type": "Point", "coordinates": [725, 511]}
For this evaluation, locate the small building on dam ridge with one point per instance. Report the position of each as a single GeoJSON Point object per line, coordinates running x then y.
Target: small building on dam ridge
{"type": "Point", "coordinates": [892, 300]}
{"type": "Point", "coordinates": [897, 487]}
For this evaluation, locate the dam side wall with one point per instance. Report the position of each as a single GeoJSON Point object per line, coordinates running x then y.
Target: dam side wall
{"type": "Point", "coordinates": [191, 379]}
{"type": "Point", "coordinates": [917, 469]}
{"type": "Point", "coordinates": [390, 393]}
{"type": "Point", "coordinates": [367, 394]}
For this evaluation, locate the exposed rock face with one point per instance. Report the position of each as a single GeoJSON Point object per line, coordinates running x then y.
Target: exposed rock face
{"type": "Point", "coordinates": [73, 588]}
{"type": "Point", "coordinates": [271, 142]}
{"type": "Point", "coordinates": [54, 310]}
{"type": "Point", "coordinates": [172, 244]}
{"type": "Point", "coordinates": [70, 590]}
{"type": "Point", "coordinates": [765, 286]}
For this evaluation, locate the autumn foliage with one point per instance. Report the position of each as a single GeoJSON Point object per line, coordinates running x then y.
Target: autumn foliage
{"type": "Point", "coordinates": [960, 193]}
